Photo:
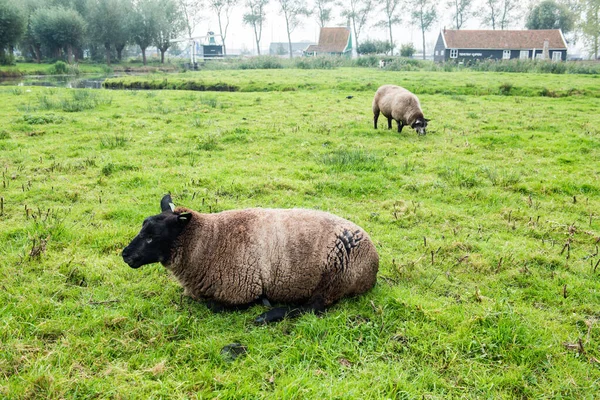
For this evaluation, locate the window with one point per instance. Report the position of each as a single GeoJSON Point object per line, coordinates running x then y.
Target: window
{"type": "Point", "coordinates": [506, 54]}
{"type": "Point", "coordinates": [556, 56]}
{"type": "Point", "coordinates": [453, 53]}
{"type": "Point", "coordinates": [524, 54]}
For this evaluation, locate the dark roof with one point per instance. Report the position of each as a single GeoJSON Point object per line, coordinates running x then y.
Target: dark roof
{"type": "Point", "coordinates": [331, 40]}
{"type": "Point", "coordinates": [501, 39]}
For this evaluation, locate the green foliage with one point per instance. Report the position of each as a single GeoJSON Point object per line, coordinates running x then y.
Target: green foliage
{"type": "Point", "coordinates": [58, 28]}
{"type": "Point", "coordinates": [374, 47]}
{"type": "Point", "coordinates": [407, 50]}
{"type": "Point", "coordinates": [550, 15]}
{"type": "Point", "coordinates": [486, 229]}
{"type": "Point", "coordinates": [261, 62]}
{"type": "Point", "coordinates": [59, 68]}
{"type": "Point", "coordinates": [12, 27]}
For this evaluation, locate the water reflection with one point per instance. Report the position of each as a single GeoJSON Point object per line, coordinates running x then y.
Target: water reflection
{"type": "Point", "coordinates": [73, 82]}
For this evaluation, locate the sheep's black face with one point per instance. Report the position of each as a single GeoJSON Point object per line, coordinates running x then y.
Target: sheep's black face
{"type": "Point", "coordinates": [155, 240]}
{"type": "Point", "coordinates": [420, 125]}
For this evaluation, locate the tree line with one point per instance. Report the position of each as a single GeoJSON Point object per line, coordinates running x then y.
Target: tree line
{"type": "Point", "coordinates": [67, 29]}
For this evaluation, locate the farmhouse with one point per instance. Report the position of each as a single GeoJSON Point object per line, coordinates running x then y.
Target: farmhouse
{"type": "Point", "coordinates": [469, 45]}
{"type": "Point", "coordinates": [332, 41]}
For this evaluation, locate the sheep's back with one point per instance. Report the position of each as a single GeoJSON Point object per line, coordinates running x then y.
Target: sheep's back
{"type": "Point", "coordinates": [283, 255]}
{"type": "Point", "coordinates": [396, 102]}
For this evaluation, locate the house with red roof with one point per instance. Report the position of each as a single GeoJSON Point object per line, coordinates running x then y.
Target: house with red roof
{"type": "Point", "coordinates": [332, 41]}
{"type": "Point", "coordinates": [469, 45]}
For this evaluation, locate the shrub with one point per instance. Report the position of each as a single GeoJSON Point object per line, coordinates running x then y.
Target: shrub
{"type": "Point", "coordinates": [407, 50]}
{"type": "Point", "coordinates": [59, 68]}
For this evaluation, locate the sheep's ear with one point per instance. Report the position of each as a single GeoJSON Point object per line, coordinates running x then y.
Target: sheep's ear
{"type": "Point", "coordinates": [184, 217]}
{"type": "Point", "coordinates": [166, 204]}
{"type": "Point", "coordinates": [427, 119]}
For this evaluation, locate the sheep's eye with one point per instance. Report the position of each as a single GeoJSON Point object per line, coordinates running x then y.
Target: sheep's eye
{"type": "Point", "coordinates": [149, 240]}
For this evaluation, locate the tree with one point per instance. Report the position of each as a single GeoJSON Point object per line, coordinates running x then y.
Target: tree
{"type": "Point", "coordinates": [424, 15]}
{"type": "Point", "coordinates": [12, 26]}
{"type": "Point", "coordinates": [30, 43]}
{"type": "Point", "coordinates": [498, 13]}
{"type": "Point", "coordinates": [292, 10]}
{"type": "Point", "coordinates": [255, 18]}
{"type": "Point", "coordinates": [461, 10]}
{"type": "Point", "coordinates": [357, 12]}
{"type": "Point", "coordinates": [223, 9]}
{"type": "Point", "coordinates": [391, 18]}
{"type": "Point", "coordinates": [169, 25]}
{"type": "Point", "coordinates": [59, 28]}
{"type": "Point", "coordinates": [550, 15]}
{"type": "Point", "coordinates": [143, 24]}
{"type": "Point", "coordinates": [407, 50]}
{"type": "Point", "coordinates": [374, 47]}
{"type": "Point", "coordinates": [322, 11]}
{"type": "Point", "coordinates": [191, 14]}
{"type": "Point", "coordinates": [109, 25]}
{"type": "Point", "coordinates": [590, 27]}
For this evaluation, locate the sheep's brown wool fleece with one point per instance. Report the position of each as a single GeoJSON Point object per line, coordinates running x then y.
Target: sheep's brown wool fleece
{"type": "Point", "coordinates": [397, 103]}
{"type": "Point", "coordinates": [288, 256]}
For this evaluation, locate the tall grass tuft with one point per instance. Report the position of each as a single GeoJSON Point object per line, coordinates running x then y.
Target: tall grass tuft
{"type": "Point", "coordinates": [114, 141]}
{"type": "Point", "coordinates": [352, 160]}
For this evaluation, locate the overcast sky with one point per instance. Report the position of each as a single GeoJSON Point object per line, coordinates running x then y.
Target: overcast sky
{"type": "Point", "coordinates": [240, 36]}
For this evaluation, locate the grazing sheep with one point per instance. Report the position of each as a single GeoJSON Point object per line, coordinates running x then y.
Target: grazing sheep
{"type": "Point", "coordinates": [397, 103]}
{"type": "Point", "coordinates": [234, 259]}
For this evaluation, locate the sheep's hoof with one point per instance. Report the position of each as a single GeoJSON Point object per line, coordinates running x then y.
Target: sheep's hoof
{"type": "Point", "coordinates": [273, 315]}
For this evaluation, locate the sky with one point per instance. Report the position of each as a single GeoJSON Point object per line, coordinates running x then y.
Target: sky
{"type": "Point", "coordinates": [240, 36]}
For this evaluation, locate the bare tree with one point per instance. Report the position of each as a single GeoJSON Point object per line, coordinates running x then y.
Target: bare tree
{"type": "Point", "coordinates": [423, 15]}
{"type": "Point", "coordinates": [322, 11]}
{"type": "Point", "coordinates": [191, 14]}
{"type": "Point", "coordinates": [498, 13]}
{"type": "Point", "coordinates": [223, 9]}
{"type": "Point", "coordinates": [292, 10]}
{"type": "Point", "coordinates": [507, 11]}
{"type": "Point", "coordinates": [591, 25]}
{"type": "Point", "coordinates": [255, 18]}
{"type": "Point", "coordinates": [461, 11]}
{"type": "Point", "coordinates": [392, 17]}
{"type": "Point", "coordinates": [357, 12]}
{"type": "Point", "coordinates": [489, 13]}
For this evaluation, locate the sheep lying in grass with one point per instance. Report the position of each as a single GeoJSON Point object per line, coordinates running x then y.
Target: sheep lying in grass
{"type": "Point", "coordinates": [397, 103]}
{"type": "Point", "coordinates": [306, 258]}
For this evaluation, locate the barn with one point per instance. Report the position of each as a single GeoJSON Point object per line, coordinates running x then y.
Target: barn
{"type": "Point", "coordinates": [470, 45]}
{"type": "Point", "coordinates": [332, 41]}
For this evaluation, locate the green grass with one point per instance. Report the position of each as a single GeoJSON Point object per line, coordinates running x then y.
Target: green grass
{"type": "Point", "coordinates": [487, 230]}
{"type": "Point", "coordinates": [366, 81]}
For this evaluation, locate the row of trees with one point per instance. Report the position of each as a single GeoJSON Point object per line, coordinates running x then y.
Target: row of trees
{"type": "Point", "coordinates": [64, 28]}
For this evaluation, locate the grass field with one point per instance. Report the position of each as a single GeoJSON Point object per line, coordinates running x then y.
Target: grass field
{"type": "Point", "coordinates": [487, 228]}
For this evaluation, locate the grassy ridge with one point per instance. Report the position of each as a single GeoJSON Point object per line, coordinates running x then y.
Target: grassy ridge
{"type": "Point", "coordinates": [487, 230]}
{"type": "Point", "coordinates": [367, 80]}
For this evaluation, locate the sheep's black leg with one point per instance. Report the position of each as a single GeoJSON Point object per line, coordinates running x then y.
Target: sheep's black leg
{"type": "Point", "coordinates": [277, 314]}
{"type": "Point", "coordinates": [389, 123]}
{"type": "Point", "coordinates": [375, 118]}
{"type": "Point", "coordinates": [217, 307]}
{"type": "Point", "coordinates": [400, 126]}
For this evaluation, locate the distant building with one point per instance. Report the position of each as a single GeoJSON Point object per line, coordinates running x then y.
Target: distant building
{"type": "Point", "coordinates": [209, 48]}
{"type": "Point", "coordinates": [332, 41]}
{"type": "Point", "coordinates": [468, 45]}
{"type": "Point", "coordinates": [283, 48]}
